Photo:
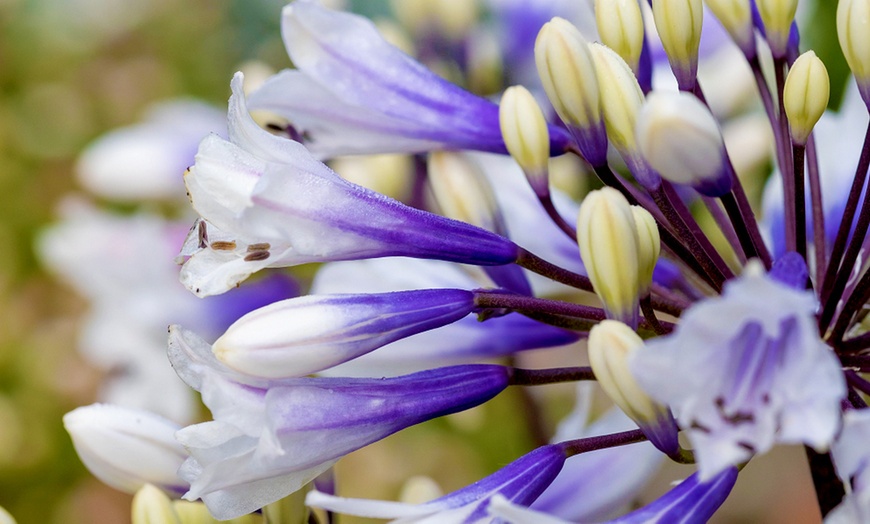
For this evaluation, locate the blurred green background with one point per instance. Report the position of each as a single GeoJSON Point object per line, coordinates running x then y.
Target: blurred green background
{"type": "Point", "coordinates": [69, 71]}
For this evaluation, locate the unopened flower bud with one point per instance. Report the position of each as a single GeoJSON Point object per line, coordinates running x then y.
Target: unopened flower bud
{"type": "Point", "coordinates": [736, 17]}
{"type": "Point", "coordinates": [607, 236]}
{"type": "Point", "coordinates": [621, 100]}
{"type": "Point", "coordinates": [649, 246]}
{"type": "Point", "coordinates": [680, 138]}
{"type": "Point", "coordinates": [303, 335]}
{"type": "Point", "coordinates": [5, 517]}
{"type": "Point", "coordinates": [152, 506]}
{"type": "Point", "coordinates": [777, 16]}
{"type": "Point", "coordinates": [620, 26]}
{"type": "Point", "coordinates": [568, 76]}
{"type": "Point", "coordinates": [805, 96]}
{"type": "Point", "coordinates": [462, 191]}
{"type": "Point", "coordinates": [526, 136]}
{"type": "Point", "coordinates": [610, 345]}
{"type": "Point", "coordinates": [853, 30]}
{"type": "Point", "coordinates": [127, 448]}
{"type": "Point", "coordinates": [679, 25]}
{"type": "Point", "coordinates": [197, 513]}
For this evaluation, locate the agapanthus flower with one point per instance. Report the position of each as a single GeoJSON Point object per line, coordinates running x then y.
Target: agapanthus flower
{"type": "Point", "coordinates": [355, 93]}
{"type": "Point", "coordinates": [738, 343]}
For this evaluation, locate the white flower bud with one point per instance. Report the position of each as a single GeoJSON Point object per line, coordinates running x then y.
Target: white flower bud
{"type": "Point", "coordinates": [777, 16]}
{"type": "Point", "coordinates": [805, 96]}
{"type": "Point", "coordinates": [679, 25]}
{"type": "Point", "coordinates": [621, 97]}
{"type": "Point", "coordinates": [127, 448]}
{"type": "Point", "coordinates": [5, 517]}
{"type": "Point", "coordinates": [853, 30]}
{"type": "Point", "coordinates": [462, 191]}
{"type": "Point", "coordinates": [526, 136]}
{"type": "Point", "coordinates": [607, 237]}
{"type": "Point", "coordinates": [152, 506]}
{"type": "Point", "coordinates": [649, 246]}
{"type": "Point", "coordinates": [620, 26]}
{"type": "Point", "coordinates": [680, 138]}
{"type": "Point", "coordinates": [736, 17]}
{"type": "Point", "coordinates": [610, 346]}
{"type": "Point", "coordinates": [568, 74]}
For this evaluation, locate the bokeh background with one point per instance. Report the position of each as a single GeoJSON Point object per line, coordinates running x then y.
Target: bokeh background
{"type": "Point", "coordinates": [70, 70]}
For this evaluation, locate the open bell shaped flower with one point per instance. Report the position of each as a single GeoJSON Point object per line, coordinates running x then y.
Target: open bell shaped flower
{"type": "Point", "coordinates": [354, 93]}
{"type": "Point", "coordinates": [746, 370]}
{"type": "Point", "coordinates": [299, 336]}
{"type": "Point", "coordinates": [521, 482]}
{"type": "Point", "coordinates": [271, 437]}
{"type": "Point", "coordinates": [852, 462]}
{"type": "Point", "coordinates": [266, 202]}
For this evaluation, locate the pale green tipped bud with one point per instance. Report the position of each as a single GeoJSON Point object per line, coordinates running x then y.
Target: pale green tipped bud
{"type": "Point", "coordinates": [649, 246]}
{"type": "Point", "coordinates": [621, 97]}
{"type": "Point", "coordinates": [777, 16]}
{"type": "Point", "coordinates": [805, 96]}
{"type": "Point", "coordinates": [5, 517]}
{"type": "Point", "coordinates": [680, 138]}
{"type": "Point", "coordinates": [853, 29]}
{"type": "Point", "coordinates": [607, 236]}
{"type": "Point", "coordinates": [610, 346]}
{"type": "Point", "coordinates": [197, 513]}
{"type": "Point", "coordinates": [620, 26]}
{"type": "Point", "coordinates": [568, 74]}
{"type": "Point", "coordinates": [679, 25]}
{"type": "Point", "coordinates": [526, 136]}
{"type": "Point", "coordinates": [462, 191]}
{"type": "Point", "coordinates": [152, 506]}
{"type": "Point", "coordinates": [736, 17]}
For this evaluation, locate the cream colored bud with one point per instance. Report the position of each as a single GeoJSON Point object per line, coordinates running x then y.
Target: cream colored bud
{"type": "Point", "coordinates": [6, 517]}
{"type": "Point", "coordinates": [462, 191]}
{"type": "Point", "coordinates": [680, 138]}
{"type": "Point", "coordinates": [152, 506]}
{"type": "Point", "coordinates": [621, 97]}
{"type": "Point", "coordinates": [197, 513]}
{"type": "Point", "coordinates": [736, 17]}
{"type": "Point", "coordinates": [568, 74]}
{"type": "Point", "coordinates": [649, 246]}
{"type": "Point", "coordinates": [607, 237]}
{"type": "Point", "coordinates": [679, 25]}
{"type": "Point", "coordinates": [526, 136]}
{"type": "Point", "coordinates": [610, 345]}
{"type": "Point", "coordinates": [853, 30]}
{"type": "Point", "coordinates": [805, 96]}
{"type": "Point", "coordinates": [620, 26]}
{"type": "Point", "coordinates": [777, 16]}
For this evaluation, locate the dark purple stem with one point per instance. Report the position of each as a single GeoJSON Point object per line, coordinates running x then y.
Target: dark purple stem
{"type": "Point", "coordinates": [550, 208]}
{"type": "Point", "coordinates": [540, 266]}
{"type": "Point", "coordinates": [820, 247]}
{"type": "Point", "coordinates": [540, 377]}
{"type": "Point", "coordinates": [576, 447]}
{"type": "Point", "coordinates": [725, 226]}
{"type": "Point", "coordinates": [848, 217]}
{"type": "Point", "coordinates": [800, 225]}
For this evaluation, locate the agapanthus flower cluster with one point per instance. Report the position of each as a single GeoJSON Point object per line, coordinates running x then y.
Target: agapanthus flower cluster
{"type": "Point", "coordinates": [419, 309]}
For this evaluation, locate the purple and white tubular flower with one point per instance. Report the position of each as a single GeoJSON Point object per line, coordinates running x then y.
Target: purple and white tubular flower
{"type": "Point", "coordinates": [271, 437]}
{"type": "Point", "coordinates": [737, 342]}
{"type": "Point", "coordinates": [354, 93]}
{"type": "Point", "coordinates": [521, 482]}
{"type": "Point", "coordinates": [266, 202]}
{"type": "Point", "coordinates": [299, 336]}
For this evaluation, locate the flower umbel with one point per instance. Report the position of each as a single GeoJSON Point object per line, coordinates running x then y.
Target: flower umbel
{"type": "Point", "coordinates": [693, 325]}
